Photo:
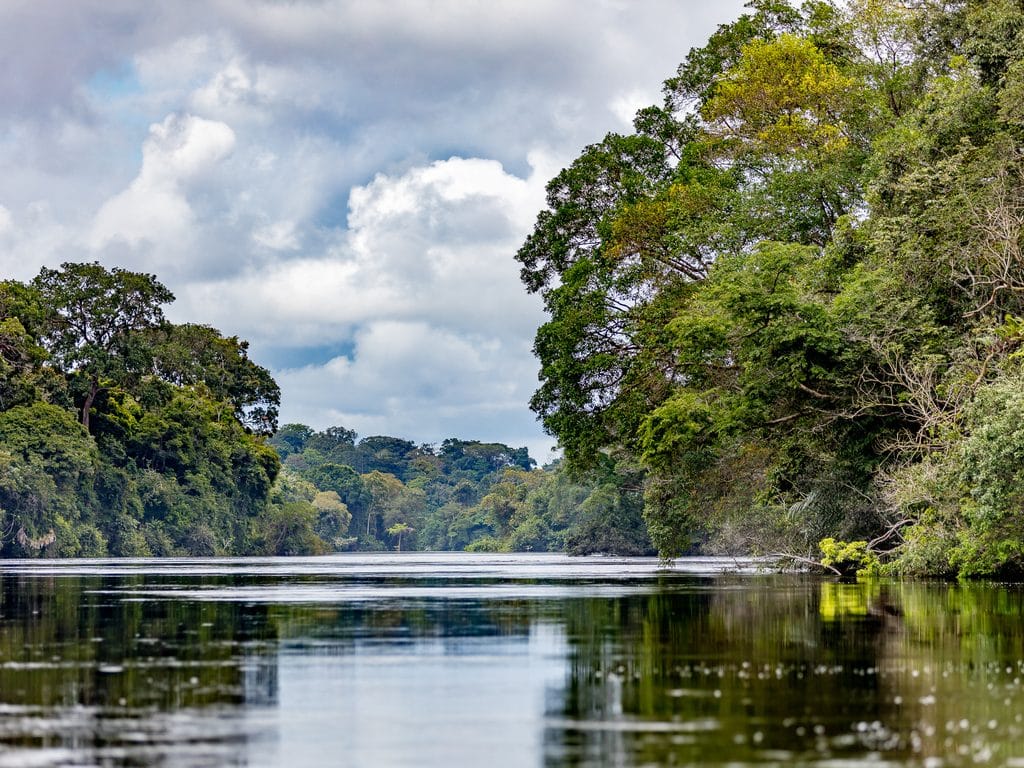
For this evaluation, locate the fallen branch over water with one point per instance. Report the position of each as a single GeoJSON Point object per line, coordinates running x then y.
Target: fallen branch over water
{"type": "Point", "coordinates": [805, 561]}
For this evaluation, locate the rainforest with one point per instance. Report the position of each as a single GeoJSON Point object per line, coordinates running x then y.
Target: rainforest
{"type": "Point", "coordinates": [793, 296]}
{"type": "Point", "coordinates": [124, 434]}
{"type": "Point", "coordinates": [785, 316]}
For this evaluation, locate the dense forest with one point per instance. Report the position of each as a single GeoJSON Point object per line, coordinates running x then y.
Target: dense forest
{"type": "Point", "coordinates": [785, 314]}
{"type": "Point", "coordinates": [121, 433]}
{"type": "Point", "coordinates": [793, 297]}
{"type": "Point", "coordinates": [124, 434]}
{"type": "Point", "coordinates": [389, 493]}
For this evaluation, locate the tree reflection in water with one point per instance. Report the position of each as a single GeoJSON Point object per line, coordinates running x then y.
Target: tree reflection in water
{"type": "Point", "coordinates": [258, 668]}
{"type": "Point", "coordinates": [792, 670]}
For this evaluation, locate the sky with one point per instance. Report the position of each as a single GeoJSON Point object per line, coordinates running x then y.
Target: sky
{"type": "Point", "coordinates": [343, 183]}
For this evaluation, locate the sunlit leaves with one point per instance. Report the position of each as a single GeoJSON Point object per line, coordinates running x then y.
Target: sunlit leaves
{"type": "Point", "coordinates": [783, 95]}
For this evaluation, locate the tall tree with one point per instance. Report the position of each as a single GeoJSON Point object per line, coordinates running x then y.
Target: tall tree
{"type": "Point", "coordinates": [702, 276]}
{"type": "Point", "coordinates": [193, 354]}
{"type": "Point", "coordinates": [97, 322]}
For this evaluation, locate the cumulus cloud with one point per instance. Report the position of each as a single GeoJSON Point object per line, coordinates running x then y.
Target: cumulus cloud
{"type": "Point", "coordinates": [153, 225]}
{"type": "Point", "coordinates": [155, 206]}
{"type": "Point", "coordinates": [423, 294]}
{"type": "Point", "coordinates": [278, 236]}
{"type": "Point", "coordinates": [342, 182]}
{"type": "Point", "coordinates": [423, 382]}
{"type": "Point", "coordinates": [434, 243]}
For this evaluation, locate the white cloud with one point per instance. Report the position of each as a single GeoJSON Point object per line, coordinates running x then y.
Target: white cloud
{"type": "Point", "coordinates": [218, 146]}
{"type": "Point", "coordinates": [175, 65]}
{"type": "Point", "coordinates": [625, 105]}
{"type": "Point", "coordinates": [239, 92]}
{"type": "Point", "coordinates": [423, 291]}
{"type": "Point", "coordinates": [27, 232]}
{"type": "Point", "coordinates": [279, 236]}
{"type": "Point", "coordinates": [434, 243]}
{"type": "Point", "coordinates": [421, 382]}
{"type": "Point", "coordinates": [155, 206]}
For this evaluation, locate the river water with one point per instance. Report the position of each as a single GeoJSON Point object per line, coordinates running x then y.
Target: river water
{"type": "Point", "coordinates": [487, 660]}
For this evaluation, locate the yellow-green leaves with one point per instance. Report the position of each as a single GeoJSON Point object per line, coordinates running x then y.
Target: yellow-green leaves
{"type": "Point", "coordinates": [676, 430]}
{"type": "Point", "coordinates": [783, 95]}
{"type": "Point", "coordinates": [675, 234]}
{"type": "Point", "coordinates": [848, 557]}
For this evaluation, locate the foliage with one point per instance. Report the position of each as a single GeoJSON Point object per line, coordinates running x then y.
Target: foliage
{"type": "Point", "coordinates": [190, 355]}
{"type": "Point", "coordinates": [789, 300]}
{"type": "Point", "coordinates": [990, 471]}
{"type": "Point", "coordinates": [95, 323]}
{"type": "Point", "coordinates": [121, 433]}
{"type": "Point", "coordinates": [848, 557]}
{"type": "Point", "coordinates": [289, 530]}
{"type": "Point", "coordinates": [464, 494]}
{"type": "Point", "coordinates": [398, 530]}
{"type": "Point", "coordinates": [784, 95]}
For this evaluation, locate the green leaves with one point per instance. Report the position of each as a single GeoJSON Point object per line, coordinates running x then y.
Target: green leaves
{"type": "Point", "coordinates": [45, 433]}
{"type": "Point", "coordinates": [190, 355]}
{"type": "Point", "coordinates": [165, 456]}
{"type": "Point", "coordinates": [683, 429]}
{"type": "Point", "coordinates": [783, 95]}
{"type": "Point", "coordinates": [95, 321]}
{"type": "Point", "coordinates": [804, 285]}
{"type": "Point", "coordinates": [848, 557]}
{"type": "Point", "coordinates": [47, 463]}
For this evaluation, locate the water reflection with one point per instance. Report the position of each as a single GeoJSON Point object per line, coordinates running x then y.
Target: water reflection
{"type": "Point", "coordinates": [534, 660]}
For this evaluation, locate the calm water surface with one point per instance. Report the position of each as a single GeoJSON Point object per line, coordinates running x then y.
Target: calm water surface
{"type": "Point", "coordinates": [481, 660]}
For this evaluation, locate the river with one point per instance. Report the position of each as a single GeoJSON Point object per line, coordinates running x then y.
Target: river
{"type": "Point", "coordinates": [500, 660]}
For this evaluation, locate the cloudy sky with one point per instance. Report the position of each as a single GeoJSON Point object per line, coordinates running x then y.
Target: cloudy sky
{"type": "Point", "coordinates": [341, 182]}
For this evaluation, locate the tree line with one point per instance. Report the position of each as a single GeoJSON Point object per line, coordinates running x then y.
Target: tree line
{"type": "Point", "coordinates": [124, 434]}
{"type": "Point", "coordinates": [785, 314]}
{"type": "Point", "coordinates": [793, 297]}
{"type": "Point", "coordinates": [336, 492]}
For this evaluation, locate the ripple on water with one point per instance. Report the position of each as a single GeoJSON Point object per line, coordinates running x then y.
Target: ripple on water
{"type": "Point", "coordinates": [497, 660]}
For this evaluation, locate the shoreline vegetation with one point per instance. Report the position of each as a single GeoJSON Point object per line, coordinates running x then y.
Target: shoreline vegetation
{"type": "Point", "coordinates": [793, 298]}
{"type": "Point", "coordinates": [123, 434]}
{"type": "Point", "coordinates": [785, 315]}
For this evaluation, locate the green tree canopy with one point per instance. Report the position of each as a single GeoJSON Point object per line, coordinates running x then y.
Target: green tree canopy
{"type": "Point", "coordinates": [96, 323]}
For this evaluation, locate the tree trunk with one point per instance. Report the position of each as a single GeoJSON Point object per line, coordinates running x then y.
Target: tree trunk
{"type": "Point", "coordinates": [94, 388]}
